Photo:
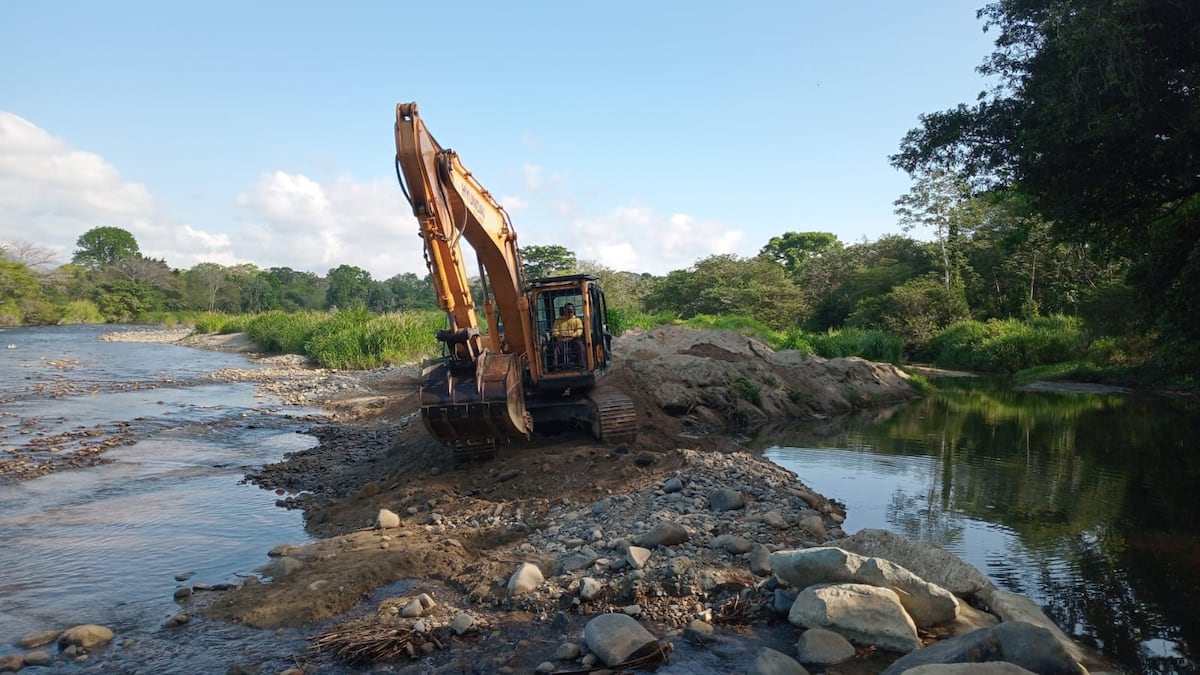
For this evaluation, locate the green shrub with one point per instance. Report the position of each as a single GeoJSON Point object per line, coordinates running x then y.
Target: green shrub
{"type": "Point", "coordinates": [81, 311]}
{"type": "Point", "coordinates": [621, 319]}
{"type": "Point", "coordinates": [747, 390]}
{"type": "Point", "coordinates": [1006, 345]}
{"type": "Point", "coordinates": [10, 314]}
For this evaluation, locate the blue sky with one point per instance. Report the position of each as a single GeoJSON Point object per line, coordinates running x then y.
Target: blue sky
{"type": "Point", "coordinates": [643, 136]}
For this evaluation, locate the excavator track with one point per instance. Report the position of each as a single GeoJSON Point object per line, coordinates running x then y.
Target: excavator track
{"type": "Point", "coordinates": [614, 418]}
{"type": "Point", "coordinates": [466, 453]}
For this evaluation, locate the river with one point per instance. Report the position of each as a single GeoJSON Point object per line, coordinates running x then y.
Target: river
{"type": "Point", "coordinates": [1083, 502]}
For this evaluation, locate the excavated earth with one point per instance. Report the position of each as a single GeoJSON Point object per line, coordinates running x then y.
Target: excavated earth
{"type": "Point", "coordinates": [563, 501]}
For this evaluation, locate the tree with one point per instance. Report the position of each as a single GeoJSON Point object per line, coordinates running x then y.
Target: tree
{"type": "Point", "coordinates": [1095, 120]}
{"type": "Point", "coordinates": [727, 284]}
{"type": "Point", "coordinates": [349, 287]}
{"type": "Point", "coordinates": [942, 202]}
{"type": "Point", "coordinates": [205, 281]}
{"type": "Point", "coordinates": [793, 249]}
{"type": "Point", "coordinates": [101, 246]}
{"type": "Point", "coordinates": [545, 261]}
{"type": "Point", "coordinates": [27, 253]}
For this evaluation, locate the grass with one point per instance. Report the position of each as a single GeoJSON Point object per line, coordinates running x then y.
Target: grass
{"type": "Point", "coordinates": [1006, 346]}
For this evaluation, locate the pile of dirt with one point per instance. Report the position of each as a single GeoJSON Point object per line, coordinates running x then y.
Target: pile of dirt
{"type": "Point", "coordinates": [463, 528]}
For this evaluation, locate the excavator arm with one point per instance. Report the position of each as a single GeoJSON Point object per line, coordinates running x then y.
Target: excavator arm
{"type": "Point", "coordinates": [450, 205]}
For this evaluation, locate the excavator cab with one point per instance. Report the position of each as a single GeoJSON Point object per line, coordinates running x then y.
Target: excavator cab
{"type": "Point", "coordinates": [573, 338]}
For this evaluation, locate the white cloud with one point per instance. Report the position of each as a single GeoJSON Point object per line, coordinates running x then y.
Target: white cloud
{"type": "Point", "coordinates": [52, 192]}
{"type": "Point", "coordinates": [638, 239]}
{"type": "Point", "coordinates": [513, 203]}
{"type": "Point", "coordinates": [297, 222]}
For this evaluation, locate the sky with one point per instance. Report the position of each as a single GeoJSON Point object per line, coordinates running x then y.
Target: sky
{"type": "Point", "coordinates": [643, 136]}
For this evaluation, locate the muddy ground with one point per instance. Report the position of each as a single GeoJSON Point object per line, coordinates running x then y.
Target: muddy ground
{"type": "Point", "coordinates": [464, 527]}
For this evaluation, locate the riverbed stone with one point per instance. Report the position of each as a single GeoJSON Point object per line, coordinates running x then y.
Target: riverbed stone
{"type": "Point", "coordinates": [38, 639]}
{"type": "Point", "coordinates": [666, 533]}
{"type": "Point", "coordinates": [928, 604]}
{"type": "Point", "coordinates": [924, 559]}
{"type": "Point", "coordinates": [820, 565]}
{"type": "Point", "coordinates": [589, 588]}
{"type": "Point", "coordinates": [771, 662]}
{"type": "Point", "coordinates": [1026, 645]}
{"type": "Point", "coordinates": [617, 637]}
{"type": "Point", "coordinates": [865, 615]}
{"type": "Point", "coordinates": [11, 663]}
{"type": "Point", "coordinates": [38, 657]}
{"type": "Point", "coordinates": [527, 578]}
{"type": "Point", "coordinates": [85, 636]}
{"type": "Point", "coordinates": [823, 647]}
{"type": "Point", "coordinates": [760, 560]}
{"type": "Point", "coordinates": [732, 543]}
{"type": "Point", "coordinates": [726, 499]}
{"type": "Point", "coordinates": [637, 556]}
{"type": "Point", "coordinates": [387, 519]}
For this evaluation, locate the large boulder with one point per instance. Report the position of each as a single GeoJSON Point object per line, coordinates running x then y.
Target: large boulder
{"type": "Point", "coordinates": [865, 615]}
{"type": "Point", "coordinates": [616, 638]}
{"type": "Point", "coordinates": [928, 604]}
{"type": "Point", "coordinates": [926, 560]}
{"type": "Point", "coordinates": [1030, 647]}
{"type": "Point", "coordinates": [86, 636]}
{"type": "Point", "coordinates": [770, 662]}
{"type": "Point", "coordinates": [819, 565]}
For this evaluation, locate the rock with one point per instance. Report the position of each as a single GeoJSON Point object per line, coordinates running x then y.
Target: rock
{"type": "Point", "coordinates": [760, 560]}
{"type": "Point", "coordinates": [38, 639]}
{"type": "Point", "coordinates": [11, 663]}
{"type": "Point", "coordinates": [927, 604]}
{"type": "Point", "coordinates": [782, 600]}
{"type": "Point", "coordinates": [567, 651]}
{"type": "Point", "coordinates": [666, 533]}
{"type": "Point", "coordinates": [679, 566]}
{"type": "Point", "coordinates": [969, 619]}
{"type": "Point", "coordinates": [578, 560]}
{"type": "Point", "coordinates": [1032, 647]}
{"type": "Point", "coordinates": [589, 589]}
{"type": "Point", "coordinates": [184, 576]}
{"type": "Point", "coordinates": [673, 484]}
{"type": "Point", "coordinates": [864, 615]}
{"type": "Point", "coordinates": [770, 662]}
{"type": "Point", "coordinates": [386, 519]}
{"type": "Point", "coordinates": [698, 632]}
{"type": "Point", "coordinates": [277, 551]}
{"type": "Point", "coordinates": [525, 579]}
{"type": "Point", "coordinates": [726, 500]}
{"type": "Point", "coordinates": [177, 620]}
{"type": "Point", "coordinates": [732, 543]}
{"type": "Point", "coordinates": [928, 561]}
{"type": "Point", "coordinates": [637, 556]}
{"type": "Point", "coordinates": [85, 636]}
{"type": "Point", "coordinates": [282, 567]}
{"type": "Point", "coordinates": [814, 525]}
{"type": "Point", "coordinates": [38, 657]}
{"type": "Point", "coordinates": [182, 592]}
{"type": "Point", "coordinates": [821, 647]}
{"type": "Point", "coordinates": [616, 638]}
{"type": "Point", "coordinates": [544, 667]}
{"type": "Point", "coordinates": [1011, 607]}
{"type": "Point", "coordinates": [463, 623]}
{"type": "Point", "coordinates": [821, 565]}
{"type": "Point", "coordinates": [992, 668]}
{"type": "Point", "coordinates": [775, 519]}
{"type": "Point", "coordinates": [413, 609]}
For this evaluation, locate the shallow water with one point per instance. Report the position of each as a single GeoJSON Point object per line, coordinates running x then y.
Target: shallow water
{"type": "Point", "coordinates": [104, 544]}
{"type": "Point", "coordinates": [1083, 502]}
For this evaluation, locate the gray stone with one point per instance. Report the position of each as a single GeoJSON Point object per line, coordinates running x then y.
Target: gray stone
{"type": "Point", "coordinates": [601, 506]}
{"type": "Point", "coordinates": [463, 623]}
{"type": "Point", "coordinates": [760, 560]}
{"type": "Point", "coordinates": [928, 604]}
{"type": "Point", "coordinates": [814, 525]}
{"type": "Point", "coordinates": [732, 543]}
{"type": "Point", "coordinates": [527, 578]}
{"type": "Point", "coordinates": [85, 636]}
{"type": "Point", "coordinates": [38, 657]}
{"type": "Point", "coordinates": [726, 500]}
{"type": "Point", "coordinates": [674, 484]}
{"type": "Point", "coordinates": [275, 552]}
{"type": "Point", "coordinates": [1031, 647]}
{"type": "Point", "coordinates": [617, 637]}
{"type": "Point", "coordinates": [782, 600]}
{"type": "Point", "coordinates": [679, 566]}
{"type": "Point", "coordinates": [544, 668]}
{"type": "Point", "coordinates": [386, 519]}
{"type": "Point", "coordinates": [770, 662]}
{"type": "Point", "coordinates": [666, 533]}
{"type": "Point", "coordinates": [281, 567]}
{"type": "Point", "coordinates": [589, 589]}
{"type": "Point", "coordinates": [990, 668]}
{"type": "Point", "coordinates": [413, 609]}
{"type": "Point", "coordinates": [580, 559]}
{"type": "Point", "coordinates": [182, 592]}
{"type": "Point", "coordinates": [822, 647]}
{"type": "Point", "coordinates": [637, 556]}
{"type": "Point", "coordinates": [567, 651]}
{"type": "Point", "coordinates": [775, 519]}
{"type": "Point", "coordinates": [864, 615]}
{"type": "Point", "coordinates": [698, 632]}
{"type": "Point", "coordinates": [1011, 607]}
{"type": "Point", "coordinates": [821, 565]}
{"type": "Point", "coordinates": [928, 561]}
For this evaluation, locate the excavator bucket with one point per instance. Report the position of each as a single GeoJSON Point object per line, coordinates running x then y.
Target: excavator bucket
{"type": "Point", "coordinates": [468, 409]}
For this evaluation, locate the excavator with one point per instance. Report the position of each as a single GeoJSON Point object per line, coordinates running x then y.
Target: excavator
{"type": "Point", "coordinates": [528, 368]}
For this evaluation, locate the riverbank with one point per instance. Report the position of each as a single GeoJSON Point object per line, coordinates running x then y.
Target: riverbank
{"type": "Point", "coordinates": [632, 529]}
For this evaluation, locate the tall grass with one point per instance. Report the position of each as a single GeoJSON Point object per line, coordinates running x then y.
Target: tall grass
{"type": "Point", "coordinates": [1006, 346]}
{"type": "Point", "coordinates": [81, 311]}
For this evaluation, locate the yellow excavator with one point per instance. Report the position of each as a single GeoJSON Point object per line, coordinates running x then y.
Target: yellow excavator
{"type": "Point", "coordinates": [547, 343]}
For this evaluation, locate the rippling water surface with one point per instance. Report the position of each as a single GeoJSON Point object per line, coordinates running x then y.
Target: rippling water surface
{"type": "Point", "coordinates": [104, 544]}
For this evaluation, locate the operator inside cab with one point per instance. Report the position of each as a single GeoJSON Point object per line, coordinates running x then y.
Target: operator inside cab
{"type": "Point", "coordinates": [567, 326]}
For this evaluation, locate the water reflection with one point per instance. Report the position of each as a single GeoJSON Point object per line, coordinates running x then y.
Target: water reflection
{"type": "Point", "coordinates": [1083, 502]}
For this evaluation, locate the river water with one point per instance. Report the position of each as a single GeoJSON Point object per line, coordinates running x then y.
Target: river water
{"type": "Point", "coordinates": [1084, 502]}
